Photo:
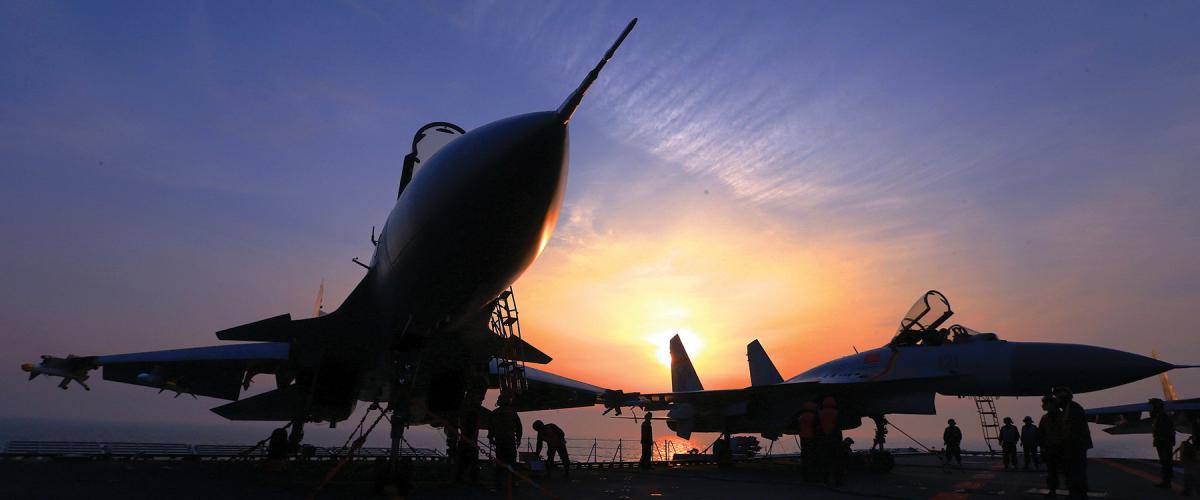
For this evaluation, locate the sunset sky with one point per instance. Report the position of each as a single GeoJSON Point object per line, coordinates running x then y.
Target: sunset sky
{"type": "Point", "coordinates": [795, 172]}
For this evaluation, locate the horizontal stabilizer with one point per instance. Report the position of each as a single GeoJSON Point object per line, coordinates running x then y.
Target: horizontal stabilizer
{"type": "Point", "coordinates": [762, 370]}
{"type": "Point", "coordinates": [527, 352]}
{"type": "Point", "coordinates": [277, 405]}
{"type": "Point", "coordinates": [516, 349]}
{"type": "Point", "coordinates": [273, 329]}
{"type": "Point", "coordinates": [683, 374]}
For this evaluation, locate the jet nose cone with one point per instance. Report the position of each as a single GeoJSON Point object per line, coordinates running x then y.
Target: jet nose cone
{"type": "Point", "coordinates": [497, 189]}
{"type": "Point", "coordinates": [1083, 368]}
{"type": "Point", "coordinates": [523, 173]}
{"type": "Point", "coordinates": [523, 155]}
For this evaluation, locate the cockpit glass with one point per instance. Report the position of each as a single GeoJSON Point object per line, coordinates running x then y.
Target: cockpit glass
{"type": "Point", "coordinates": [432, 138]}
{"type": "Point", "coordinates": [928, 312]}
{"type": "Point", "coordinates": [435, 139]}
{"type": "Point", "coordinates": [962, 330]}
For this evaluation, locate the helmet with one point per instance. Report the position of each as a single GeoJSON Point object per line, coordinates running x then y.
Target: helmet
{"type": "Point", "coordinates": [951, 421]}
{"type": "Point", "coordinates": [537, 424]}
{"type": "Point", "coordinates": [1028, 419]}
{"type": "Point", "coordinates": [1007, 420]}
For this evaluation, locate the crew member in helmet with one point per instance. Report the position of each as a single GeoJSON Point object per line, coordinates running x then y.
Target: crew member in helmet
{"type": "Point", "coordinates": [952, 438]}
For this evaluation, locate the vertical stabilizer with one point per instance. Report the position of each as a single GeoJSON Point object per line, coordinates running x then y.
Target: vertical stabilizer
{"type": "Point", "coordinates": [318, 310]}
{"type": "Point", "coordinates": [683, 374]}
{"type": "Point", "coordinates": [1167, 387]}
{"type": "Point", "coordinates": [762, 370]}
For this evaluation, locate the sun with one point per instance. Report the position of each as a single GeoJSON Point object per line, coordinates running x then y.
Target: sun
{"type": "Point", "coordinates": [661, 340]}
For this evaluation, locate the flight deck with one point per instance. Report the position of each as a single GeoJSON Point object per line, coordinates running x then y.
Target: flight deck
{"type": "Point", "coordinates": [165, 473]}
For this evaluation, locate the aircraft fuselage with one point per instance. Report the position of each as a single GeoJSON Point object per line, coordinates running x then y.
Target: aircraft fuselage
{"type": "Point", "coordinates": [472, 220]}
{"type": "Point", "coordinates": [904, 380]}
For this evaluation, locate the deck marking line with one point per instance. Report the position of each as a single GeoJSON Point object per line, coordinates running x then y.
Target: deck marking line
{"type": "Point", "coordinates": [1154, 478]}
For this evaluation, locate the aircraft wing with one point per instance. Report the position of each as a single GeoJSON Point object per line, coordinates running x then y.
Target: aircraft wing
{"type": "Point", "coordinates": [548, 391]}
{"type": "Point", "coordinates": [1100, 415]}
{"type": "Point", "coordinates": [216, 371]}
{"type": "Point", "coordinates": [893, 391]}
{"type": "Point", "coordinates": [1128, 419]}
{"type": "Point", "coordinates": [655, 400]}
{"type": "Point", "coordinates": [1112, 415]}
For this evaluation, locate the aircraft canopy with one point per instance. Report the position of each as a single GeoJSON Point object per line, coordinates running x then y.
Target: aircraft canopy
{"type": "Point", "coordinates": [920, 324]}
{"type": "Point", "coordinates": [930, 310]}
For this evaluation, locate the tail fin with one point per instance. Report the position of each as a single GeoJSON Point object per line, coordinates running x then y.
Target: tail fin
{"type": "Point", "coordinates": [762, 370]}
{"type": "Point", "coordinates": [1167, 387]}
{"type": "Point", "coordinates": [683, 374]}
{"type": "Point", "coordinates": [318, 307]}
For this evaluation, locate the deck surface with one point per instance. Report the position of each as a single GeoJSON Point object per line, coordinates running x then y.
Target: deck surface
{"type": "Point", "coordinates": [914, 477]}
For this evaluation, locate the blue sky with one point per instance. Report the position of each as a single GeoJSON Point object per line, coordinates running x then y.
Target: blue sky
{"type": "Point", "coordinates": [172, 169]}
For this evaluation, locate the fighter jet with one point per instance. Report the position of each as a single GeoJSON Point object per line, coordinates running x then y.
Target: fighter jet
{"type": "Point", "coordinates": [420, 331]}
{"type": "Point", "coordinates": [901, 377]}
{"type": "Point", "coordinates": [1128, 419]}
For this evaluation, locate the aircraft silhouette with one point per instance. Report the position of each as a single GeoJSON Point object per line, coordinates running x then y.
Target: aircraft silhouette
{"type": "Point", "coordinates": [901, 377]}
{"type": "Point", "coordinates": [473, 212]}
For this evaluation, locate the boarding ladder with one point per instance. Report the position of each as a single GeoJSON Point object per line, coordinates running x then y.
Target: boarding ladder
{"type": "Point", "coordinates": [988, 421]}
{"type": "Point", "coordinates": [506, 324]}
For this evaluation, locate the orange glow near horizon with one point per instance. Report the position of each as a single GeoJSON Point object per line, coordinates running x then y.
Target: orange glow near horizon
{"type": "Point", "coordinates": [605, 304]}
{"type": "Point", "coordinates": [662, 340]}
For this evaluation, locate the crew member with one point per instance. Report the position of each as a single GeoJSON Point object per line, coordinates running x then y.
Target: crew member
{"type": "Point", "coordinates": [467, 460]}
{"type": "Point", "coordinates": [1078, 442]}
{"type": "Point", "coordinates": [723, 451]}
{"type": "Point", "coordinates": [831, 438]}
{"type": "Point", "coordinates": [952, 438]}
{"type": "Point", "coordinates": [1029, 443]}
{"type": "Point", "coordinates": [1052, 440]}
{"type": "Point", "coordinates": [1191, 466]}
{"type": "Point", "coordinates": [807, 424]}
{"type": "Point", "coordinates": [556, 443]}
{"type": "Point", "coordinates": [1164, 440]}
{"type": "Point", "coordinates": [1009, 437]}
{"type": "Point", "coordinates": [647, 442]}
{"type": "Point", "coordinates": [504, 431]}
{"type": "Point", "coordinates": [277, 450]}
{"type": "Point", "coordinates": [880, 432]}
